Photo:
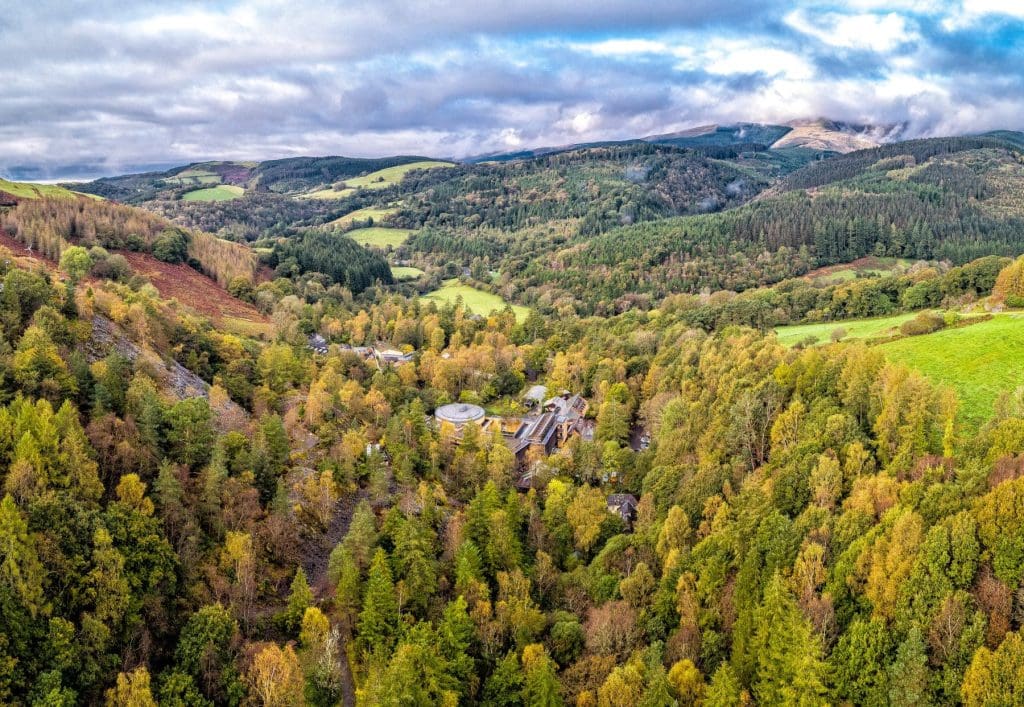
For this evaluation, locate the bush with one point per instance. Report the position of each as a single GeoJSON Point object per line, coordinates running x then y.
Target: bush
{"type": "Point", "coordinates": [171, 246]}
{"type": "Point", "coordinates": [923, 323]}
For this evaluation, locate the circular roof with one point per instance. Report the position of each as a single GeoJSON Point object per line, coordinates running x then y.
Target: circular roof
{"type": "Point", "coordinates": [459, 413]}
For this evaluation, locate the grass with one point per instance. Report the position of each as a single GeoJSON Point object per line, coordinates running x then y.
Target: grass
{"type": "Point", "coordinates": [475, 300]}
{"type": "Point", "coordinates": [328, 193]}
{"type": "Point", "coordinates": [379, 237]}
{"type": "Point", "coordinates": [855, 329]}
{"type": "Point", "coordinates": [26, 190]}
{"type": "Point", "coordinates": [377, 213]}
{"type": "Point", "coordinates": [979, 361]}
{"type": "Point", "coordinates": [403, 272]}
{"type": "Point", "coordinates": [869, 267]}
{"type": "Point", "coordinates": [224, 192]}
{"type": "Point", "coordinates": [392, 175]}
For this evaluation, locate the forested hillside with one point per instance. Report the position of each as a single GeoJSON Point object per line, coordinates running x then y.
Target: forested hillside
{"type": "Point", "coordinates": [275, 511]}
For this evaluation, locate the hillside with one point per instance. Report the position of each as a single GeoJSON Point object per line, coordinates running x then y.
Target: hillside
{"type": "Point", "coordinates": [211, 491]}
{"type": "Point", "coordinates": [833, 136]}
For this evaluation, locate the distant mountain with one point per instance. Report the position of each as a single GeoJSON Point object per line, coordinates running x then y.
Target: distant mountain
{"type": "Point", "coordinates": [837, 136]}
{"type": "Point", "coordinates": [723, 135]}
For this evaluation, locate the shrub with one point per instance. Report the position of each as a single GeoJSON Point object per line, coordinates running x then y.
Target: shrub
{"type": "Point", "coordinates": [923, 323]}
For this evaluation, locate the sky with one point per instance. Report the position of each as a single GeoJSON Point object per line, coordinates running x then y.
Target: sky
{"type": "Point", "coordinates": [105, 86]}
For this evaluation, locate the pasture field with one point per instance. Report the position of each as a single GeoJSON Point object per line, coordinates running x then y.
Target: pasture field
{"type": "Point", "coordinates": [979, 361]}
{"type": "Point", "coordinates": [404, 272]}
{"type": "Point", "coordinates": [379, 237]}
{"type": "Point", "coordinates": [223, 192]}
{"type": "Point", "coordinates": [854, 328]}
{"type": "Point", "coordinates": [477, 301]}
{"type": "Point", "coordinates": [27, 190]}
{"type": "Point", "coordinates": [329, 193]}
{"type": "Point", "coordinates": [392, 175]}
{"type": "Point", "coordinates": [377, 213]}
{"type": "Point", "coordinates": [869, 266]}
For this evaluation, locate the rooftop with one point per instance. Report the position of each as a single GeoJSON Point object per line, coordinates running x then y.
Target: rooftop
{"type": "Point", "coordinates": [459, 413]}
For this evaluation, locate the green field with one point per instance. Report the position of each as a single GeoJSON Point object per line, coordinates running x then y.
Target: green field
{"type": "Point", "coordinates": [978, 361]}
{"type": "Point", "coordinates": [855, 329]}
{"type": "Point", "coordinates": [403, 272]}
{"type": "Point", "coordinates": [224, 192]}
{"type": "Point", "coordinates": [392, 175]}
{"type": "Point", "coordinates": [377, 213]}
{"type": "Point", "coordinates": [865, 267]}
{"type": "Point", "coordinates": [25, 190]}
{"type": "Point", "coordinates": [380, 237]}
{"type": "Point", "coordinates": [475, 300]}
{"type": "Point", "coordinates": [328, 193]}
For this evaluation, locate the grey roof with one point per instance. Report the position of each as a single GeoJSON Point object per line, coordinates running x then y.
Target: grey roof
{"type": "Point", "coordinates": [459, 413]}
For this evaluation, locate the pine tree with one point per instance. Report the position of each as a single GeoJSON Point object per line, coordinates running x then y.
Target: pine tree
{"type": "Point", "coordinates": [788, 654]}
{"type": "Point", "coordinates": [540, 684]}
{"type": "Point", "coordinates": [299, 599]}
{"type": "Point", "coordinates": [908, 674]}
{"type": "Point", "coordinates": [378, 620]}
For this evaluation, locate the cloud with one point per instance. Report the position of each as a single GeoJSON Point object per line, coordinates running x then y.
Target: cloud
{"type": "Point", "coordinates": [105, 85]}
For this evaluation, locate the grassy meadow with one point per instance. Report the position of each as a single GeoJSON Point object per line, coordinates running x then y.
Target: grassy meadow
{"type": "Point", "coordinates": [392, 175]}
{"type": "Point", "coordinates": [380, 237]}
{"type": "Point", "coordinates": [377, 213]}
{"type": "Point", "coordinates": [223, 192]}
{"type": "Point", "coordinates": [854, 328]}
{"type": "Point", "coordinates": [26, 190]}
{"type": "Point", "coordinates": [404, 272]}
{"type": "Point", "coordinates": [978, 361]}
{"type": "Point", "coordinates": [328, 193]}
{"type": "Point", "coordinates": [475, 300]}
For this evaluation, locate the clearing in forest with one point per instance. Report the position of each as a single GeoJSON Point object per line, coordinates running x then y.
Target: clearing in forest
{"type": "Point", "coordinates": [377, 213]}
{"type": "Point", "coordinates": [380, 237]}
{"type": "Point", "coordinates": [862, 267]}
{"type": "Point", "coordinates": [477, 301]}
{"type": "Point", "coordinates": [223, 192]}
{"type": "Point", "coordinates": [404, 272]}
{"type": "Point", "coordinates": [392, 175]}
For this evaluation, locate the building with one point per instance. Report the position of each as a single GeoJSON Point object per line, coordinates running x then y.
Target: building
{"type": "Point", "coordinates": [623, 505]}
{"type": "Point", "coordinates": [459, 414]}
{"type": "Point", "coordinates": [318, 344]}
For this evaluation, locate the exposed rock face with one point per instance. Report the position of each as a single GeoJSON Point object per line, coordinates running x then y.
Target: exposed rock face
{"type": "Point", "coordinates": [171, 376]}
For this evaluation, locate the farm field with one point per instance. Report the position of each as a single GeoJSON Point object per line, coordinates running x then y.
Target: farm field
{"type": "Point", "coordinates": [404, 272]}
{"type": "Point", "coordinates": [392, 175]}
{"type": "Point", "coordinates": [979, 361]}
{"type": "Point", "coordinates": [854, 328]}
{"type": "Point", "coordinates": [223, 192]}
{"type": "Point", "coordinates": [477, 301]}
{"type": "Point", "coordinates": [380, 237]}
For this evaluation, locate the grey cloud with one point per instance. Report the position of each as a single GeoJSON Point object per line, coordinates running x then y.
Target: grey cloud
{"type": "Point", "coordinates": [96, 85]}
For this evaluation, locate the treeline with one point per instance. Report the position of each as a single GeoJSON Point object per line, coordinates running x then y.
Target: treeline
{"type": "Point", "coordinates": [340, 258]}
{"type": "Point", "coordinates": [800, 300]}
{"type": "Point", "coordinates": [853, 164]}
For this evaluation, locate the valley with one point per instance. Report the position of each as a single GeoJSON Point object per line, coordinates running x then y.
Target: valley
{"type": "Point", "coordinates": [420, 431]}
